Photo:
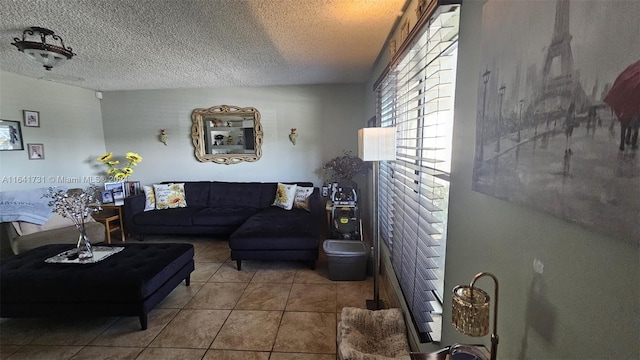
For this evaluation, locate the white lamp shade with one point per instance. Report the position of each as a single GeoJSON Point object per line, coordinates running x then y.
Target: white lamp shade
{"type": "Point", "coordinates": [377, 144]}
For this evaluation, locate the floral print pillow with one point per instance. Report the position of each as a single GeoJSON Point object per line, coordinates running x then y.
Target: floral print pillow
{"type": "Point", "coordinates": [169, 196]}
{"type": "Point", "coordinates": [285, 195]}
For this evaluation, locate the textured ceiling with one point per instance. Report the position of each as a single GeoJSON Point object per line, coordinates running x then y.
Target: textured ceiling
{"type": "Point", "coordinates": [161, 44]}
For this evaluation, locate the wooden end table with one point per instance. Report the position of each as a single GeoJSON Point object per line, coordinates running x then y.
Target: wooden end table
{"type": "Point", "coordinates": [111, 214]}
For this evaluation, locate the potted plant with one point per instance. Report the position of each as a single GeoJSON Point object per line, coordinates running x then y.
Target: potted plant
{"type": "Point", "coordinates": [344, 168]}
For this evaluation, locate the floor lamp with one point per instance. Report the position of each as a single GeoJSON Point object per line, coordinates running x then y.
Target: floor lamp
{"type": "Point", "coordinates": [376, 144]}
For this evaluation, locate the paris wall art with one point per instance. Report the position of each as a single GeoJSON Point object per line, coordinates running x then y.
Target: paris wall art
{"type": "Point", "coordinates": [559, 110]}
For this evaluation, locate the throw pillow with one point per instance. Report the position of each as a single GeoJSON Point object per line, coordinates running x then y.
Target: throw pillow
{"type": "Point", "coordinates": [150, 198]}
{"type": "Point", "coordinates": [169, 196]}
{"type": "Point", "coordinates": [285, 195]}
{"type": "Point", "coordinates": [302, 199]}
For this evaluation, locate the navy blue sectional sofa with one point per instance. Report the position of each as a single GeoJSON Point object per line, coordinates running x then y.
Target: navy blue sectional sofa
{"type": "Point", "coordinates": [241, 212]}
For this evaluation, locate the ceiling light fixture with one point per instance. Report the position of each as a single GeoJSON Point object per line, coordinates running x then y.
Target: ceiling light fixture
{"type": "Point", "coordinates": [49, 55]}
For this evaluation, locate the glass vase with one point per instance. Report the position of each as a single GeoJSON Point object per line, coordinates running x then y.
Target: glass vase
{"type": "Point", "coordinates": [85, 250]}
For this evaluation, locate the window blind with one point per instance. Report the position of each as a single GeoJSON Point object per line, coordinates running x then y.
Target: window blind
{"type": "Point", "coordinates": [417, 96]}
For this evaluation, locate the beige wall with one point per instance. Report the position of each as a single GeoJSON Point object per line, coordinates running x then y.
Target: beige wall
{"type": "Point", "coordinates": [76, 128]}
{"type": "Point", "coordinates": [327, 118]}
{"type": "Point", "coordinates": [586, 303]}
{"type": "Point", "coordinates": [70, 129]}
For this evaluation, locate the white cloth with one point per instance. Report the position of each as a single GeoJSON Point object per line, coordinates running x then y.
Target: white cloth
{"type": "Point", "coordinates": [25, 205]}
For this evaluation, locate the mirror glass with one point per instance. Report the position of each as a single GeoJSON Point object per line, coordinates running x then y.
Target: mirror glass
{"type": "Point", "coordinates": [226, 134]}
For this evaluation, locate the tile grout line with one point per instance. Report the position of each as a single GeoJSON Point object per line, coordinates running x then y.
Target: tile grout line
{"type": "Point", "coordinates": [273, 345]}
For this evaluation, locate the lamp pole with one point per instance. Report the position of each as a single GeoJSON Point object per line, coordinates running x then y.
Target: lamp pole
{"type": "Point", "coordinates": [494, 334]}
{"type": "Point", "coordinates": [485, 80]}
{"type": "Point", "coordinates": [470, 311]}
{"type": "Point", "coordinates": [376, 144]}
{"type": "Point", "coordinates": [520, 121]}
{"type": "Point", "coordinates": [501, 92]}
{"type": "Point", "coordinates": [375, 304]}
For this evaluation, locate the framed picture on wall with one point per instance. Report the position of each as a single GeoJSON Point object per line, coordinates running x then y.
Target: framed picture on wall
{"type": "Point", "coordinates": [31, 118]}
{"type": "Point", "coordinates": [36, 151]}
{"type": "Point", "coordinates": [527, 151]}
{"type": "Point", "coordinates": [10, 135]}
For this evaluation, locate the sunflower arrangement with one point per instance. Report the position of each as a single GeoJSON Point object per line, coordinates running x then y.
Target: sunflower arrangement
{"type": "Point", "coordinates": [123, 173]}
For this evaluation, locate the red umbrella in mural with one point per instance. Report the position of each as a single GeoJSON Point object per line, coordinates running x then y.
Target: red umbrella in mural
{"type": "Point", "coordinates": [624, 96]}
{"type": "Point", "coordinates": [624, 100]}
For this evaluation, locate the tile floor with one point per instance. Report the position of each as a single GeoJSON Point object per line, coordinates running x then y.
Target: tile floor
{"type": "Point", "coordinates": [269, 310]}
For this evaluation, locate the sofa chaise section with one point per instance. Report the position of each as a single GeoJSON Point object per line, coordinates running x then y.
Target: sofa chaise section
{"type": "Point", "coordinates": [278, 234]}
{"type": "Point", "coordinates": [242, 212]}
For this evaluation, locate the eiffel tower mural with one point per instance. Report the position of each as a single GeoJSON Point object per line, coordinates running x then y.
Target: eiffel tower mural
{"type": "Point", "coordinates": [560, 81]}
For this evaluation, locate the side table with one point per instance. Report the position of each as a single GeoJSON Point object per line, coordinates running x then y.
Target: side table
{"type": "Point", "coordinates": [111, 213]}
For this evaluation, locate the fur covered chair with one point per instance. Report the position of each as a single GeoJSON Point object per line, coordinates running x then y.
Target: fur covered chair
{"type": "Point", "coordinates": [372, 335]}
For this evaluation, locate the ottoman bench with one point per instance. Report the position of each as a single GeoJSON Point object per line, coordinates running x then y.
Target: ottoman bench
{"type": "Point", "coordinates": [265, 236]}
{"type": "Point", "coordinates": [129, 283]}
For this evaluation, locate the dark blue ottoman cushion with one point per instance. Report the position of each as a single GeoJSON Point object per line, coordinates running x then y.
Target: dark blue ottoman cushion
{"type": "Point", "coordinates": [130, 282]}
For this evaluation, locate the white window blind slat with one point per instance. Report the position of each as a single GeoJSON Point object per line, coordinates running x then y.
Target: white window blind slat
{"type": "Point", "coordinates": [417, 97]}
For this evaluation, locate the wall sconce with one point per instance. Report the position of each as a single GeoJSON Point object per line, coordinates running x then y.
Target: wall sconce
{"type": "Point", "coordinates": [49, 55]}
{"type": "Point", "coordinates": [293, 136]}
{"type": "Point", "coordinates": [163, 136]}
{"type": "Point", "coordinates": [470, 311]}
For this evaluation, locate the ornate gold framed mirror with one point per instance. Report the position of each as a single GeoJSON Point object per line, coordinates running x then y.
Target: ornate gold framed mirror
{"type": "Point", "coordinates": [226, 134]}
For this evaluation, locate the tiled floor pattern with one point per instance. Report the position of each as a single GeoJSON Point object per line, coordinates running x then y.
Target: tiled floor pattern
{"type": "Point", "coordinates": [269, 310]}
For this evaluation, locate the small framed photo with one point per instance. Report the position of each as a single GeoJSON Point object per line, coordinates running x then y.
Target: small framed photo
{"type": "Point", "coordinates": [36, 151]}
{"type": "Point", "coordinates": [132, 188]}
{"type": "Point", "coordinates": [107, 196]}
{"type": "Point", "coordinates": [117, 190]}
{"type": "Point", "coordinates": [10, 135]}
{"type": "Point", "coordinates": [31, 118]}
